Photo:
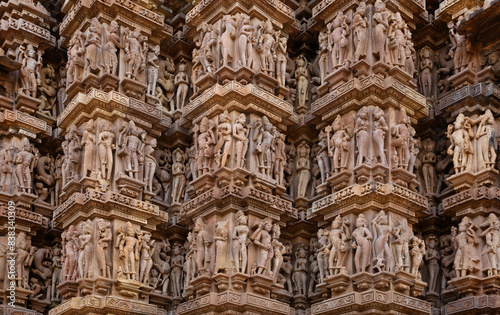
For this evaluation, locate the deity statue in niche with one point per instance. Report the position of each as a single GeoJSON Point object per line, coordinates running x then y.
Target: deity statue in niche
{"type": "Point", "coordinates": [245, 42]}
{"type": "Point", "coordinates": [362, 244]}
{"type": "Point", "coordinates": [205, 141]}
{"type": "Point", "coordinates": [105, 149]}
{"type": "Point", "coordinates": [465, 256]}
{"type": "Point", "coordinates": [263, 138]}
{"type": "Point", "coordinates": [460, 135]}
{"type": "Point", "coordinates": [149, 164]}
{"type": "Point", "coordinates": [425, 76]}
{"type": "Point", "coordinates": [207, 52]}
{"type": "Point", "coordinates": [112, 42]}
{"type": "Point", "coordinates": [428, 162]}
{"type": "Point", "coordinates": [134, 53]}
{"type": "Point", "coordinates": [323, 55]}
{"type": "Point", "coordinates": [278, 250]}
{"type": "Point", "coordinates": [323, 254]}
{"type": "Point", "coordinates": [383, 259]}
{"type": "Point", "coordinates": [31, 62]}
{"type": "Point", "coordinates": [76, 61]}
{"type": "Point", "coordinates": [104, 235]}
{"type": "Point", "coordinates": [227, 39]}
{"type": "Point", "coordinates": [303, 169]}
{"type": "Point", "coordinates": [491, 234]}
{"type": "Point", "coordinates": [266, 43]}
{"type": "Point", "coordinates": [178, 174]}
{"type": "Point", "coordinates": [89, 148]}
{"type": "Point", "coordinates": [338, 146]}
{"type": "Point", "coordinates": [361, 132]}
{"type": "Point", "coordinates": [486, 140]}
{"type": "Point", "coordinates": [302, 79]}
{"type": "Point", "coordinates": [153, 64]}
{"type": "Point", "coordinates": [380, 128]}
{"type": "Point", "coordinates": [223, 146]}
{"type": "Point", "coordinates": [240, 134]}
{"type": "Point", "coordinates": [181, 80]}
{"type": "Point", "coordinates": [432, 257]}
{"type": "Point", "coordinates": [240, 242]}
{"type": "Point", "coordinates": [360, 31]}
{"type": "Point", "coordinates": [221, 246]}
{"type": "Point", "coordinates": [281, 60]}
{"type": "Point", "coordinates": [379, 35]}
{"type": "Point", "coordinates": [24, 162]}
{"type": "Point", "coordinates": [128, 245]}
{"type": "Point", "coordinates": [300, 270]}
{"type": "Point", "coordinates": [131, 148]}
{"type": "Point", "coordinates": [203, 244]}
{"type": "Point", "coordinates": [322, 158]}
{"type": "Point", "coordinates": [93, 44]}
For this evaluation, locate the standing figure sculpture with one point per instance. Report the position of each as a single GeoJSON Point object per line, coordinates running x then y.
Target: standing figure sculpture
{"type": "Point", "coordinates": [362, 243]}
{"type": "Point", "coordinates": [322, 158]}
{"type": "Point", "coordinates": [30, 68]}
{"type": "Point", "coordinates": [281, 60]}
{"type": "Point", "coordinates": [360, 27]}
{"type": "Point", "coordinates": [425, 75]}
{"type": "Point", "coordinates": [112, 41]}
{"type": "Point", "coordinates": [240, 242]}
{"type": "Point", "coordinates": [465, 257]}
{"type": "Point", "coordinates": [262, 239]}
{"type": "Point", "coordinates": [128, 246]}
{"type": "Point", "coordinates": [300, 270]}
{"type": "Point", "coordinates": [492, 246]}
{"type": "Point", "coordinates": [149, 164]}
{"type": "Point", "coordinates": [401, 140]}
{"type": "Point", "coordinates": [221, 246]}
{"type": "Point", "coordinates": [428, 170]}
{"type": "Point", "coordinates": [361, 132]}
{"type": "Point", "coordinates": [264, 140]}
{"type": "Point", "coordinates": [93, 43]}
{"type": "Point", "coordinates": [245, 42]}
{"type": "Point", "coordinates": [278, 250]}
{"type": "Point", "coordinates": [227, 39]}
{"type": "Point", "coordinates": [178, 174]}
{"type": "Point", "coordinates": [76, 61]}
{"type": "Point", "coordinates": [223, 147]}
{"type": "Point", "coordinates": [181, 80]}
{"type": "Point", "coordinates": [204, 141]}
{"type": "Point", "coordinates": [338, 146]}
{"type": "Point", "coordinates": [24, 163]}
{"type": "Point", "coordinates": [134, 53]}
{"type": "Point", "coordinates": [303, 168]}
{"type": "Point", "coordinates": [240, 133]}
{"type": "Point", "coordinates": [106, 146]}
{"type": "Point", "coordinates": [460, 135]}
{"type": "Point", "coordinates": [323, 56]}
{"type": "Point", "coordinates": [147, 247]}
{"type": "Point", "coordinates": [486, 140]}
{"type": "Point", "coordinates": [203, 243]}
{"type": "Point", "coordinates": [379, 37]}
{"type": "Point", "coordinates": [302, 79]}
{"type": "Point", "coordinates": [265, 47]}
{"type": "Point", "coordinates": [432, 257]}
{"type": "Point", "coordinates": [89, 148]}
{"type": "Point", "coordinates": [177, 263]}
{"type": "Point", "coordinates": [382, 231]}
{"type": "Point", "coordinates": [153, 64]}
{"type": "Point", "coordinates": [104, 236]}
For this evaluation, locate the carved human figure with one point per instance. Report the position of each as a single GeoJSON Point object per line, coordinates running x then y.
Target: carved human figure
{"type": "Point", "coordinates": [491, 234]}
{"type": "Point", "coordinates": [178, 175]}
{"type": "Point", "coordinates": [104, 236]}
{"type": "Point", "coordinates": [322, 254]}
{"type": "Point", "coordinates": [149, 164]}
{"type": "Point", "coordinates": [425, 75]}
{"type": "Point", "coordinates": [205, 142]}
{"type": "Point", "coordinates": [207, 54]}
{"type": "Point", "coordinates": [448, 246]}
{"type": "Point", "coordinates": [203, 244]}
{"type": "Point", "coordinates": [56, 266]}
{"type": "Point", "coordinates": [428, 170]}
{"type": "Point", "coordinates": [190, 263]}
{"type": "Point", "coordinates": [223, 147]}
{"type": "Point", "coordinates": [76, 61]}
{"type": "Point", "coordinates": [281, 60]}
{"type": "Point", "coordinates": [432, 258]}
{"type": "Point", "coordinates": [382, 231]}
{"type": "Point", "coordinates": [303, 168]}
{"type": "Point", "coordinates": [70, 253]}
{"type": "Point", "coordinates": [396, 40]}
{"type": "Point", "coordinates": [379, 130]}
{"type": "Point", "coordinates": [147, 247]}
{"type": "Point", "coordinates": [134, 53]}
{"type": "Point", "coordinates": [85, 258]}
{"type": "Point", "coordinates": [131, 148]}
{"type": "Point", "coordinates": [486, 140]}
{"type": "Point", "coordinates": [302, 79]}
{"type": "Point", "coordinates": [262, 239]}
{"type": "Point", "coordinates": [24, 257]}
{"type": "Point", "coordinates": [360, 30]}
{"type": "Point", "coordinates": [24, 163]}
{"type": "Point", "coordinates": [417, 252]}
{"type": "Point", "coordinates": [466, 240]}
{"type": "Point", "coordinates": [300, 270]}
{"type": "Point", "coordinates": [460, 135]}
{"type": "Point", "coordinates": [379, 35]}
{"type": "Point", "coordinates": [221, 246]}
{"type": "Point", "coordinates": [322, 158]}
{"type": "Point", "coordinates": [112, 42]}
{"type": "Point", "coordinates": [265, 47]}
{"type": "Point", "coordinates": [279, 157]}
{"type": "Point", "coordinates": [240, 242]}
{"type": "Point", "coordinates": [401, 141]}
{"type": "Point", "coordinates": [362, 243]}
{"type": "Point", "coordinates": [278, 250]}
{"type": "Point", "coordinates": [240, 134]}
{"type": "Point", "coordinates": [89, 148]}
{"type": "Point", "coordinates": [153, 65]}
{"type": "Point", "coordinates": [128, 246]}
{"type": "Point", "coordinates": [460, 47]}
{"type": "Point", "coordinates": [323, 55]}
{"type": "Point", "coordinates": [40, 267]}
{"type": "Point", "coordinates": [227, 39]}
{"type": "Point", "coordinates": [263, 138]}
{"type": "Point", "coordinates": [177, 263]}
{"type": "Point", "coordinates": [6, 168]}
{"type": "Point", "coordinates": [181, 80]}
{"type": "Point", "coordinates": [74, 152]}
{"type": "Point", "coordinates": [31, 62]}
{"type": "Point", "coordinates": [338, 145]}
{"type": "Point", "coordinates": [361, 133]}
{"type": "Point", "coordinates": [93, 43]}
{"type": "Point", "coordinates": [337, 234]}
{"type": "Point", "coordinates": [245, 42]}
{"type": "Point", "coordinates": [105, 147]}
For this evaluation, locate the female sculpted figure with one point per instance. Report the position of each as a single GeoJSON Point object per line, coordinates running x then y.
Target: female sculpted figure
{"type": "Point", "coordinates": [89, 148]}
{"type": "Point", "coordinates": [76, 61]}
{"type": "Point", "coordinates": [323, 55]}
{"type": "Point", "coordinates": [397, 40]}
{"type": "Point", "coordinates": [24, 257]}
{"type": "Point", "coordinates": [486, 141]}
{"type": "Point", "coordinates": [134, 53]}
{"type": "Point", "coordinates": [93, 45]}
{"type": "Point", "coordinates": [111, 43]}
{"type": "Point", "coordinates": [30, 68]}
{"type": "Point", "coordinates": [221, 246]}
{"type": "Point", "coordinates": [104, 236]}
{"type": "Point", "coordinates": [265, 47]}
{"type": "Point", "coordinates": [338, 233]}
{"type": "Point", "coordinates": [278, 250]}
{"type": "Point", "coordinates": [240, 133]}
{"type": "Point", "coordinates": [181, 80]}
{"type": "Point", "coordinates": [360, 27]}
{"type": "Point", "coordinates": [428, 170]}
{"type": "Point", "coordinates": [339, 144]}
{"type": "Point", "coordinates": [281, 60]}
{"type": "Point", "coordinates": [106, 146]}
{"type": "Point", "coordinates": [300, 270]}
{"type": "Point", "coordinates": [176, 273]}
{"type": "Point", "coordinates": [323, 159]}
{"type": "Point", "coordinates": [425, 77]}
{"type": "Point", "coordinates": [264, 139]}
{"type": "Point", "coordinates": [382, 231]}
{"type": "Point", "coordinates": [190, 263]}
{"type": "Point", "coordinates": [86, 250]}
{"type": "Point", "coordinates": [240, 242]}
{"type": "Point", "coordinates": [361, 133]}
{"type": "Point", "coordinates": [492, 246]}
{"type": "Point", "coordinates": [301, 76]}
{"type": "Point", "coordinates": [225, 140]}
{"type": "Point", "coordinates": [432, 257]}
{"type": "Point", "coordinates": [362, 244]}
{"type": "Point", "coordinates": [70, 254]}
{"type": "Point", "coordinates": [24, 163]}
{"type": "Point", "coordinates": [178, 174]}
{"type": "Point", "coordinates": [380, 20]}
{"type": "Point", "coordinates": [379, 130]}
{"type": "Point", "coordinates": [202, 247]}
{"type": "Point", "coordinates": [279, 157]}
{"type": "Point", "coordinates": [149, 164]}
{"type": "Point", "coordinates": [128, 246]}
{"type": "Point", "coordinates": [417, 252]}
{"type": "Point", "coordinates": [56, 266]}
{"type": "Point", "coordinates": [334, 39]}
{"type": "Point", "coordinates": [205, 142]}
{"type": "Point", "coordinates": [246, 40]}
{"type": "Point", "coordinates": [227, 39]}
{"type": "Point", "coordinates": [152, 65]}
{"type": "Point", "coordinates": [147, 248]}
{"type": "Point", "coordinates": [461, 146]}
{"type": "Point", "coordinates": [303, 168]}
{"type": "Point", "coordinates": [465, 258]}
{"type": "Point", "coordinates": [322, 254]}
{"type": "Point", "coordinates": [262, 239]}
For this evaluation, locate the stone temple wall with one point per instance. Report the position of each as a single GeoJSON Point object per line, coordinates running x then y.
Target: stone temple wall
{"type": "Point", "coordinates": [274, 157]}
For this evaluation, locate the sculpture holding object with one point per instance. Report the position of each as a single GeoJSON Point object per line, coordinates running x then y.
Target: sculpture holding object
{"type": "Point", "coordinates": [135, 53]}
{"type": "Point", "coordinates": [202, 247]}
{"type": "Point", "coordinates": [240, 242]}
{"type": "Point", "coordinates": [128, 244]}
{"type": "Point", "coordinates": [461, 135]}
{"type": "Point", "coordinates": [338, 144]}
{"type": "Point", "coordinates": [264, 142]}
{"type": "Point", "coordinates": [263, 240]}
{"type": "Point", "coordinates": [240, 134]}
{"type": "Point", "coordinates": [466, 259]}
{"type": "Point", "coordinates": [31, 63]}
{"type": "Point", "coordinates": [131, 149]}
{"type": "Point", "coordinates": [204, 139]}
{"type": "Point", "coordinates": [383, 257]}
{"type": "Point", "coordinates": [337, 248]}
{"type": "Point", "coordinates": [178, 175]}
{"type": "Point", "coordinates": [225, 140]}
{"type": "Point", "coordinates": [165, 89]}
{"type": "Point", "coordinates": [491, 235]}
{"type": "Point", "coordinates": [112, 41]}
{"type": "Point", "coordinates": [300, 270]}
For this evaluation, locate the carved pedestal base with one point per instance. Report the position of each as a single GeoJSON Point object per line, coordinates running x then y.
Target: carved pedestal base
{"type": "Point", "coordinates": [263, 182]}
{"type": "Point", "coordinates": [225, 74]}
{"type": "Point", "coordinates": [462, 181]}
{"type": "Point", "coordinates": [238, 280]}
{"type": "Point", "coordinates": [70, 188]}
{"type": "Point", "coordinates": [151, 99]}
{"type": "Point", "coordinates": [463, 78]}
{"type": "Point", "coordinates": [6, 309]}
{"type": "Point", "coordinates": [226, 176]}
{"type": "Point", "coordinates": [338, 76]}
{"type": "Point", "coordinates": [6, 103]}
{"type": "Point", "coordinates": [73, 89]}
{"type": "Point", "coordinates": [133, 88]}
{"type": "Point", "coordinates": [109, 82]}
{"type": "Point", "coordinates": [128, 288]}
{"type": "Point", "coordinates": [265, 82]}
{"type": "Point", "coordinates": [339, 180]}
{"type": "Point", "coordinates": [206, 81]}
{"type": "Point", "coordinates": [337, 283]}
{"type": "Point", "coordinates": [404, 178]}
{"type": "Point", "coordinates": [27, 104]}
{"type": "Point", "coordinates": [39, 305]}
{"type": "Point", "coordinates": [68, 289]}
{"type": "Point", "coordinates": [323, 189]}
{"type": "Point", "coordinates": [381, 68]}
{"type": "Point", "coordinates": [243, 75]}
{"type": "Point", "coordinates": [129, 186]}
{"type": "Point", "coordinates": [403, 281]}
{"type": "Point", "coordinates": [203, 183]}
{"type": "Point", "coordinates": [401, 75]}
{"type": "Point", "coordinates": [261, 284]}
{"type": "Point", "coordinates": [160, 299]}
{"type": "Point", "coordinates": [91, 81]}
{"type": "Point", "coordinates": [97, 286]}
{"type": "Point", "coordinates": [365, 172]}
{"type": "Point", "coordinates": [486, 177]}
{"type": "Point", "coordinates": [221, 281]}
{"type": "Point", "coordinates": [466, 286]}
{"type": "Point", "coordinates": [361, 69]}
{"type": "Point", "coordinates": [202, 284]}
